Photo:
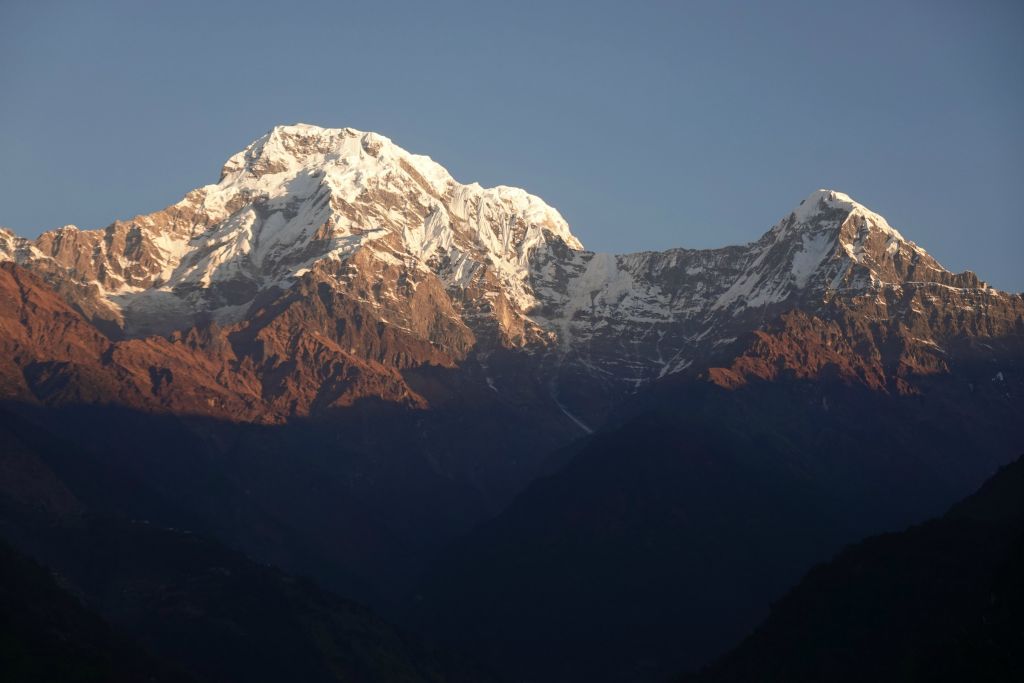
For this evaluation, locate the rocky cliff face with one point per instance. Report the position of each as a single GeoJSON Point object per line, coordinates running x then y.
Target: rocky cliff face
{"type": "Point", "coordinates": [261, 371]}
{"type": "Point", "coordinates": [327, 262]}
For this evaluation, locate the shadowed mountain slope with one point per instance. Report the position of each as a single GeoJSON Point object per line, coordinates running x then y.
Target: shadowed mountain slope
{"type": "Point", "coordinates": [209, 611]}
{"type": "Point", "coordinates": [941, 601]}
{"type": "Point", "coordinates": [663, 540]}
{"type": "Point", "coordinates": [47, 635]}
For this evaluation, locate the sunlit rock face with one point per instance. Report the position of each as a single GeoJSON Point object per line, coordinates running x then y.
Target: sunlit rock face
{"type": "Point", "coordinates": [327, 262]}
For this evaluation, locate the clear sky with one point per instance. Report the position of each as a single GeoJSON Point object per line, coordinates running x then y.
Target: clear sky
{"type": "Point", "coordinates": [647, 124]}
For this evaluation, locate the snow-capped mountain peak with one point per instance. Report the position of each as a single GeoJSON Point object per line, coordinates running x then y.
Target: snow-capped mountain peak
{"type": "Point", "coordinates": [680, 307]}
{"type": "Point", "coordinates": [828, 242]}
{"type": "Point", "coordinates": [351, 169]}
{"type": "Point", "coordinates": [294, 199]}
{"type": "Point", "coordinates": [825, 200]}
{"type": "Point", "coordinates": [289, 148]}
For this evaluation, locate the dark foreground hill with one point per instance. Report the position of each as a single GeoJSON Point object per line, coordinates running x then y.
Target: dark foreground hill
{"type": "Point", "coordinates": [942, 601]}
{"type": "Point", "coordinates": [142, 588]}
{"type": "Point", "coordinates": [48, 635]}
{"type": "Point", "coordinates": [665, 539]}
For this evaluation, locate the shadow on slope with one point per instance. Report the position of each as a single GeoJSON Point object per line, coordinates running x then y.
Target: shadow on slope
{"type": "Point", "coordinates": [942, 601]}
{"type": "Point", "coordinates": [47, 635]}
{"type": "Point", "coordinates": [210, 610]}
{"type": "Point", "coordinates": [665, 538]}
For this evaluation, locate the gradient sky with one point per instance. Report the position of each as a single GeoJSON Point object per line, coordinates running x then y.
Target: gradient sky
{"type": "Point", "coordinates": [647, 124]}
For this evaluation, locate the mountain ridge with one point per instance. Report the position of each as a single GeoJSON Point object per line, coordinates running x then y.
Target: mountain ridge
{"type": "Point", "coordinates": [450, 273]}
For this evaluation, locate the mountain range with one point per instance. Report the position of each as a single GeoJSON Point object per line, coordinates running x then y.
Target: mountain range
{"type": "Point", "coordinates": [386, 263]}
{"type": "Point", "coordinates": [430, 397]}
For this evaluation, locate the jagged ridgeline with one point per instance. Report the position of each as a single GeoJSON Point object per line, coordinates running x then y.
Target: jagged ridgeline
{"type": "Point", "coordinates": [326, 262]}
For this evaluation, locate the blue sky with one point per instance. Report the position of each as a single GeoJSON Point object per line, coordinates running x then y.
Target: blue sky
{"type": "Point", "coordinates": [647, 124]}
